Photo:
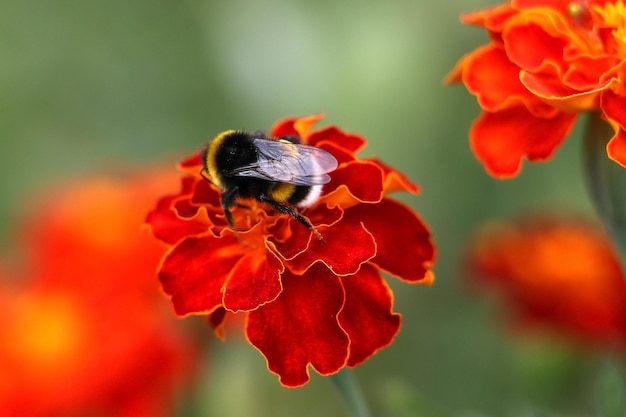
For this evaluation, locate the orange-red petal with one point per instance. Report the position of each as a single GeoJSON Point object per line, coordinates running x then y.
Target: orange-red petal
{"type": "Point", "coordinates": [552, 4]}
{"type": "Point", "coordinates": [616, 148]}
{"type": "Point", "coordinates": [501, 140]}
{"type": "Point", "coordinates": [492, 18]}
{"type": "Point", "coordinates": [530, 47]}
{"type": "Point", "coordinates": [494, 79]}
{"type": "Point", "coordinates": [556, 272]}
{"type": "Point", "coordinates": [613, 108]}
{"type": "Point", "coordinates": [552, 91]}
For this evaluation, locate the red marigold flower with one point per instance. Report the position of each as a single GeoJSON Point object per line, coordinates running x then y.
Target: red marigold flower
{"type": "Point", "coordinates": [85, 330]}
{"type": "Point", "coordinates": [306, 302]}
{"type": "Point", "coordinates": [548, 61]}
{"type": "Point", "coordinates": [556, 273]}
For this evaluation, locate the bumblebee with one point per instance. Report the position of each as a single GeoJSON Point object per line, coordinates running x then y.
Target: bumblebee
{"type": "Point", "coordinates": [279, 172]}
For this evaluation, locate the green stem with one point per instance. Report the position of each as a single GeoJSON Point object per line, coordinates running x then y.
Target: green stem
{"type": "Point", "coordinates": [606, 181]}
{"type": "Point", "coordinates": [350, 392]}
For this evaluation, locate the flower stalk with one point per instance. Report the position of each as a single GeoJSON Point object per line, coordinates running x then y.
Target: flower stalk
{"type": "Point", "coordinates": [606, 181]}
{"type": "Point", "coordinates": [349, 390]}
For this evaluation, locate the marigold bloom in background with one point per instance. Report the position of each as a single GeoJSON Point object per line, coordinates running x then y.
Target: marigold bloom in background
{"type": "Point", "coordinates": [85, 329]}
{"type": "Point", "coordinates": [305, 302]}
{"type": "Point", "coordinates": [547, 62]}
{"type": "Point", "coordinates": [555, 273]}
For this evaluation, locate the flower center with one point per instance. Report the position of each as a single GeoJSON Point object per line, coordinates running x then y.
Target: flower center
{"type": "Point", "coordinates": [247, 214]}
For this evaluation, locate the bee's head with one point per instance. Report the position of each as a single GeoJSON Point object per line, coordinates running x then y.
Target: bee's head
{"type": "Point", "coordinates": [231, 150]}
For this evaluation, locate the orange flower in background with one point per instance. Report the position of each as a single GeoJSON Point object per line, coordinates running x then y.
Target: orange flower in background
{"type": "Point", "coordinates": [85, 329]}
{"type": "Point", "coordinates": [555, 273]}
{"type": "Point", "coordinates": [306, 302]}
{"type": "Point", "coordinates": [547, 62]}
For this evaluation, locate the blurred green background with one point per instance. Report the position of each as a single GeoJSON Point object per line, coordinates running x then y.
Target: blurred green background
{"type": "Point", "coordinates": [91, 86]}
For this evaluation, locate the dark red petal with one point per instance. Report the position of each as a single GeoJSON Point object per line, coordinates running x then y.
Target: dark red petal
{"type": "Point", "coordinates": [333, 135]}
{"type": "Point", "coordinates": [347, 247]}
{"type": "Point", "coordinates": [165, 222]}
{"type": "Point", "coordinates": [395, 180]}
{"type": "Point", "coordinates": [194, 162]}
{"type": "Point", "coordinates": [216, 320]}
{"type": "Point", "coordinates": [357, 181]}
{"type": "Point", "coordinates": [500, 140]}
{"type": "Point", "coordinates": [194, 272]}
{"type": "Point", "coordinates": [202, 206]}
{"type": "Point", "coordinates": [343, 156]}
{"type": "Point", "coordinates": [321, 214]}
{"type": "Point", "coordinates": [290, 237]}
{"type": "Point", "coordinates": [404, 246]}
{"type": "Point", "coordinates": [254, 280]}
{"type": "Point", "coordinates": [300, 327]}
{"type": "Point", "coordinates": [367, 314]}
{"type": "Point", "coordinates": [205, 193]}
{"type": "Point", "coordinates": [205, 201]}
{"type": "Point", "coordinates": [285, 127]}
{"type": "Point", "coordinates": [298, 126]}
{"type": "Point", "coordinates": [167, 226]}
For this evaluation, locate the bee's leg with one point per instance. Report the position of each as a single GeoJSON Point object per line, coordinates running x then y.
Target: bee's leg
{"type": "Point", "coordinates": [283, 208]}
{"type": "Point", "coordinates": [228, 201]}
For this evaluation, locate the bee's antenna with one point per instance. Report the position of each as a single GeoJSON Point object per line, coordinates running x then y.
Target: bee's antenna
{"type": "Point", "coordinates": [204, 174]}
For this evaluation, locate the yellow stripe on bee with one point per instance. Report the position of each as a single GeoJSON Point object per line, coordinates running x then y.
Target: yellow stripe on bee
{"type": "Point", "coordinates": [211, 157]}
{"type": "Point", "coordinates": [291, 149]}
{"type": "Point", "coordinates": [281, 192]}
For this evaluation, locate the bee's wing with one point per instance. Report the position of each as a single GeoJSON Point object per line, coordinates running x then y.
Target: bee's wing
{"type": "Point", "coordinates": [291, 163]}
